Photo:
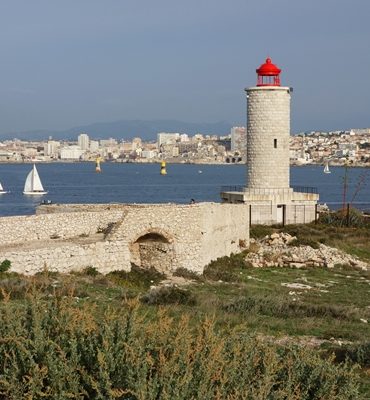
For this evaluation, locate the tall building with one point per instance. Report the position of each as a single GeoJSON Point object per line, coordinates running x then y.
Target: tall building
{"type": "Point", "coordinates": [51, 148]}
{"type": "Point", "coordinates": [83, 141]}
{"type": "Point", "coordinates": [167, 138]}
{"type": "Point", "coordinates": [268, 192]}
{"type": "Point", "coordinates": [94, 146]}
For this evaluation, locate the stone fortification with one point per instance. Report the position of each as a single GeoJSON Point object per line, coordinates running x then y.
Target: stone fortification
{"type": "Point", "coordinates": [111, 237]}
{"type": "Point", "coordinates": [32, 228]}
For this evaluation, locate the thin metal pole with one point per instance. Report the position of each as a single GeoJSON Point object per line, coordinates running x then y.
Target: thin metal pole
{"type": "Point", "coordinates": [347, 214]}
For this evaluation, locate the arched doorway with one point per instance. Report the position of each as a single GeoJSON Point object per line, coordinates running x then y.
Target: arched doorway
{"type": "Point", "coordinates": [153, 250]}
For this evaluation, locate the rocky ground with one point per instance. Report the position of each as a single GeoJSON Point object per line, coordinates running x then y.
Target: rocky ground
{"type": "Point", "coordinates": [278, 250]}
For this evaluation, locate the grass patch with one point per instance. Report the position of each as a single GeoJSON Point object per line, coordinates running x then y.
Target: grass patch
{"type": "Point", "coordinates": [260, 231]}
{"type": "Point", "coordinates": [226, 269]}
{"type": "Point", "coordinates": [168, 295]}
{"type": "Point", "coordinates": [187, 274]}
{"type": "Point", "coordinates": [137, 278]}
{"type": "Point", "coordinates": [305, 242]}
{"type": "Point", "coordinates": [279, 307]}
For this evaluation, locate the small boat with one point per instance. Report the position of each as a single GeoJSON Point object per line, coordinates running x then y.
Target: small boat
{"type": "Point", "coordinates": [2, 191]}
{"type": "Point", "coordinates": [33, 183]}
{"type": "Point", "coordinates": [326, 168]}
{"type": "Point", "coordinates": [200, 171]}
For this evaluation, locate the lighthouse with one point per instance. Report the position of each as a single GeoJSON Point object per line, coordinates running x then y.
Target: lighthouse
{"type": "Point", "coordinates": [268, 194]}
{"type": "Point", "coordinates": [268, 131]}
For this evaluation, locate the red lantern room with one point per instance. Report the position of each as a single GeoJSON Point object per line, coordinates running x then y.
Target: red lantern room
{"type": "Point", "coordinates": [268, 74]}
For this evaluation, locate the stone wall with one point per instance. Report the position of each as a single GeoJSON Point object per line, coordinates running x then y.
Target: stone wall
{"type": "Point", "coordinates": [30, 228]}
{"type": "Point", "coordinates": [67, 237]}
{"type": "Point", "coordinates": [268, 130]}
{"type": "Point", "coordinates": [267, 213]}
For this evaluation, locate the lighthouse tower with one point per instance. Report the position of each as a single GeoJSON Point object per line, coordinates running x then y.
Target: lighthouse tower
{"type": "Point", "coordinates": [267, 193]}
{"type": "Point", "coordinates": [268, 130]}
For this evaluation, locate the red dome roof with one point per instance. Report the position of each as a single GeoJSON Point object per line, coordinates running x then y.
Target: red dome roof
{"type": "Point", "coordinates": [268, 69]}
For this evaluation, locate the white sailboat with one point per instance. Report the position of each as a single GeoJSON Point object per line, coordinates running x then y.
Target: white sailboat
{"type": "Point", "coordinates": [33, 183]}
{"type": "Point", "coordinates": [326, 168]}
{"type": "Point", "coordinates": [2, 191]}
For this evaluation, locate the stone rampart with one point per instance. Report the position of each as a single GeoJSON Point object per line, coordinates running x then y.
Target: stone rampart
{"type": "Point", "coordinates": [165, 236]}
{"type": "Point", "coordinates": [30, 228]}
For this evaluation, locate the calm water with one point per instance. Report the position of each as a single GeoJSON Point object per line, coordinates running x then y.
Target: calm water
{"type": "Point", "coordinates": [142, 183]}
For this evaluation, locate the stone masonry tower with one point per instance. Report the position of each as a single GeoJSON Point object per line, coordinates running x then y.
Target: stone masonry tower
{"type": "Point", "coordinates": [268, 130]}
{"type": "Point", "coordinates": [268, 193]}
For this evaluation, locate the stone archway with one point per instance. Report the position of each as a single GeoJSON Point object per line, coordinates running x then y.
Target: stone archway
{"type": "Point", "coordinates": [153, 250]}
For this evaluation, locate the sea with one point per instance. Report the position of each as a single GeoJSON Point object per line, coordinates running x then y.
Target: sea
{"type": "Point", "coordinates": [142, 183]}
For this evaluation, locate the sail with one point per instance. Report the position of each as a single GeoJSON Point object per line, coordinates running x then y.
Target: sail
{"type": "Point", "coordinates": [1, 187]}
{"type": "Point", "coordinates": [36, 182]}
{"type": "Point", "coordinates": [326, 168]}
{"type": "Point", "coordinates": [33, 183]}
{"type": "Point", "coordinates": [28, 183]}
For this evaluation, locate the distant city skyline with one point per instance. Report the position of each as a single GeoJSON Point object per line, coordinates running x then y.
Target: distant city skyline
{"type": "Point", "coordinates": [74, 63]}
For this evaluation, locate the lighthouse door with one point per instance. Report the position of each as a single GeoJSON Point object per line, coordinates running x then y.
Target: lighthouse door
{"type": "Point", "coordinates": [280, 214]}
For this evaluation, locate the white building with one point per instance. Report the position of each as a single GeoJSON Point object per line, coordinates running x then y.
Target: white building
{"type": "Point", "coordinates": [83, 141]}
{"type": "Point", "coordinates": [167, 138]}
{"type": "Point", "coordinates": [108, 142]}
{"type": "Point", "coordinates": [51, 148]}
{"type": "Point", "coordinates": [148, 154]}
{"type": "Point", "coordinates": [184, 137]}
{"type": "Point", "coordinates": [94, 146]}
{"type": "Point", "coordinates": [71, 153]}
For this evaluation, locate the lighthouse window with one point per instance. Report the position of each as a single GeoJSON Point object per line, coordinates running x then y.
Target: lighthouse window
{"type": "Point", "coordinates": [275, 143]}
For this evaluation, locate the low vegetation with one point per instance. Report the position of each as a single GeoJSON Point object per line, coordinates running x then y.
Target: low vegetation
{"type": "Point", "coordinates": [235, 332]}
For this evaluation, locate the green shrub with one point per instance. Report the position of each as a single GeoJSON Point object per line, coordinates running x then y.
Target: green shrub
{"type": "Point", "coordinates": [355, 218]}
{"type": "Point", "coordinates": [5, 266]}
{"type": "Point", "coordinates": [305, 242]}
{"type": "Point", "coordinates": [226, 268]}
{"type": "Point", "coordinates": [139, 278]}
{"type": "Point", "coordinates": [356, 353]}
{"type": "Point", "coordinates": [59, 350]}
{"type": "Point", "coordinates": [260, 231]}
{"type": "Point", "coordinates": [168, 295]}
{"type": "Point", "coordinates": [187, 274]}
{"type": "Point", "coordinates": [90, 271]}
{"type": "Point", "coordinates": [14, 287]}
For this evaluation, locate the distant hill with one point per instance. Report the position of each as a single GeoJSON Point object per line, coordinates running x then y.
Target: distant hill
{"type": "Point", "coordinates": [125, 129]}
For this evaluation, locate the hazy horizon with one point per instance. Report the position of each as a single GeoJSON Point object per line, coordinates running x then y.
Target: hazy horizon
{"type": "Point", "coordinates": [81, 62]}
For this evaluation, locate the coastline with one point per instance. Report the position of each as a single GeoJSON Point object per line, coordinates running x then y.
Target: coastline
{"type": "Point", "coordinates": [175, 161]}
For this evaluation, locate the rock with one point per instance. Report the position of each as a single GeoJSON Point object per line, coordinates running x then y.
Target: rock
{"type": "Point", "coordinates": [275, 248]}
{"type": "Point", "coordinates": [296, 285]}
{"type": "Point", "coordinates": [298, 265]}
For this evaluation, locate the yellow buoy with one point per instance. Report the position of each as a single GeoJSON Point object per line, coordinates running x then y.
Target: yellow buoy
{"type": "Point", "coordinates": [163, 168]}
{"type": "Point", "coordinates": [97, 165]}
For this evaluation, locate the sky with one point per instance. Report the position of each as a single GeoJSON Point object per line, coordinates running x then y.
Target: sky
{"type": "Point", "coordinates": [65, 63]}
